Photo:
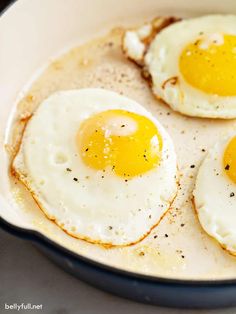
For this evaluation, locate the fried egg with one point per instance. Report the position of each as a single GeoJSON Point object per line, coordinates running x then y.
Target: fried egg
{"type": "Point", "coordinates": [191, 64]}
{"type": "Point", "coordinates": [215, 193]}
{"type": "Point", "coordinates": [99, 165]}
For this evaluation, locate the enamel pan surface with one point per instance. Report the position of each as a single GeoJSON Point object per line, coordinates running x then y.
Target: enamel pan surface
{"type": "Point", "coordinates": [142, 288]}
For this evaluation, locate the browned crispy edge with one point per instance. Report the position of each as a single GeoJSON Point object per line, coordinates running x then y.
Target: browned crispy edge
{"type": "Point", "coordinates": [215, 240]}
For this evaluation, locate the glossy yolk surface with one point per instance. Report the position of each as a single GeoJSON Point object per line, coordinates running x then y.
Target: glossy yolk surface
{"type": "Point", "coordinates": [230, 159]}
{"type": "Point", "coordinates": [128, 143]}
{"type": "Point", "coordinates": [209, 64]}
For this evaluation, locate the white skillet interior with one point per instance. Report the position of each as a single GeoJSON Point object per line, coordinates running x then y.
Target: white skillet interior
{"type": "Point", "coordinates": [31, 36]}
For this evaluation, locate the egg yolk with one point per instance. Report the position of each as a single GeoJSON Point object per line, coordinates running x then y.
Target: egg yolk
{"type": "Point", "coordinates": [209, 64]}
{"type": "Point", "coordinates": [128, 143]}
{"type": "Point", "coordinates": [230, 159]}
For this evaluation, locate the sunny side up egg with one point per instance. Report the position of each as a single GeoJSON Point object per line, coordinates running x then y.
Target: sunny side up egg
{"type": "Point", "coordinates": [191, 63]}
{"type": "Point", "coordinates": [215, 193]}
{"type": "Point", "coordinates": [99, 165]}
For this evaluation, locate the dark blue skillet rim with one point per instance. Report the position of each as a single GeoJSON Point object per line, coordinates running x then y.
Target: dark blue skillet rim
{"type": "Point", "coordinates": [37, 237]}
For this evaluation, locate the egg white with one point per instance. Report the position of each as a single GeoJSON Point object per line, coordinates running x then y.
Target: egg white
{"type": "Point", "coordinates": [99, 207]}
{"type": "Point", "coordinates": [161, 61]}
{"type": "Point", "coordinates": [215, 207]}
